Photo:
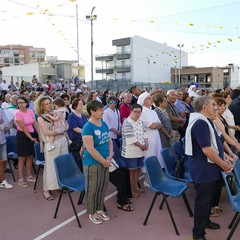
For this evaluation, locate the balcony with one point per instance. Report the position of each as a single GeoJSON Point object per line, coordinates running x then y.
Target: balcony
{"type": "Point", "coordinates": [104, 70]}
{"type": "Point", "coordinates": [121, 69]}
{"type": "Point", "coordinates": [123, 55]}
{"type": "Point", "coordinates": [107, 57]}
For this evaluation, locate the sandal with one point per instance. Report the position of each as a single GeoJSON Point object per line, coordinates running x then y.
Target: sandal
{"type": "Point", "coordinates": [22, 183]}
{"type": "Point", "coordinates": [31, 179]}
{"type": "Point", "coordinates": [129, 200]}
{"type": "Point", "coordinates": [48, 197]}
{"type": "Point", "coordinates": [127, 207]}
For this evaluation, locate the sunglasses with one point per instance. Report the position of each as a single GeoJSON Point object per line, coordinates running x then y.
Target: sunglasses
{"type": "Point", "coordinates": [112, 103]}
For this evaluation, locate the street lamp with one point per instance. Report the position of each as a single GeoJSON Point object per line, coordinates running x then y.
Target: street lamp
{"type": "Point", "coordinates": [91, 18]}
{"type": "Point", "coordinates": [180, 63]}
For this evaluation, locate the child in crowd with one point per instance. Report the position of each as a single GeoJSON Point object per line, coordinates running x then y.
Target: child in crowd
{"type": "Point", "coordinates": [60, 125]}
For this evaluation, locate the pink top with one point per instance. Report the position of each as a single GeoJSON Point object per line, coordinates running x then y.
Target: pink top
{"type": "Point", "coordinates": [26, 117]}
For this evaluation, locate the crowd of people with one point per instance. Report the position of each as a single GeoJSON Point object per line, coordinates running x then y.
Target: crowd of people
{"type": "Point", "coordinates": [90, 123]}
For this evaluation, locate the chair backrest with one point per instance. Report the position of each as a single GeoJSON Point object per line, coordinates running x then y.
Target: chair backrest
{"type": "Point", "coordinates": [66, 169]}
{"type": "Point", "coordinates": [237, 171]}
{"type": "Point", "coordinates": [233, 199]}
{"type": "Point", "coordinates": [117, 155]}
{"type": "Point", "coordinates": [169, 159]}
{"type": "Point", "coordinates": [154, 171]}
{"type": "Point", "coordinates": [38, 155]}
{"type": "Point", "coordinates": [11, 144]}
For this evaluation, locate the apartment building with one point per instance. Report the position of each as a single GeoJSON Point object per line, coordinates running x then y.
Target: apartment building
{"type": "Point", "coordinates": [138, 59]}
{"type": "Point", "coordinates": [12, 55]}
{"type": "Point", "coordinates": [206, 77]}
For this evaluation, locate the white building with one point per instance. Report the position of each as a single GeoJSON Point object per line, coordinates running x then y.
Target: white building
{"type": "Point", "coordinates": [43, 71]}
{"type": "Point", "coordinates": [138, 59]}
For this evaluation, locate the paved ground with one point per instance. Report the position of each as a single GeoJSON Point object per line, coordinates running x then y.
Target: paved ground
{"type": "Point", "coordinates": [26, 215]}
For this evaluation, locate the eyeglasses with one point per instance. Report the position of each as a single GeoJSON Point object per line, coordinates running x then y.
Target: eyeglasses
{"type": "Point", "coordinates": [112, 103]}
{"type": "Point", "coordinates": [21, 102]}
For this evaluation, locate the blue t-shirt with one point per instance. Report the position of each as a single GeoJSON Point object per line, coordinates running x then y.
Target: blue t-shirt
{"type": "Point", "coordinates": [100, 140]}
{"type": "Point", "coordinates": [200, 169]}
{"type": "Point", "coordinates": [74, 121]}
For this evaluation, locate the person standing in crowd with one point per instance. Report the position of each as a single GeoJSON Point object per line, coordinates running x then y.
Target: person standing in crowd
{"type": "Point", "coordinates": [125, 107]}
{"type": "Point", "coordinates": [136, 92]}
{"type": "Point", "coordinates": [166, 130]}
{"type": "Point", "coordinates": [192, 91]}
{"type": "Point", "coordinates": [111, 117]}
{"type": "Point", "coordinates": [134, 143]}
{"type": "Point", "coordinates": [26, 123]}
{"type": "Point", "coordinates": [76, 122]}
{"type": "Point", "coordinates": [97, 158]}
{"type": "Point", "coordinates": [67, 102]}
{"type": "Point", "coordinates": [176, 120]}
{"type": "Point", "coordinates": [3, 150]}
{"type": "Point", "coordinates": [43, 106]}
{"type": "Point", "coordinates": [152, 124]}
{"type": "Point", "coordinates": [205, 152]}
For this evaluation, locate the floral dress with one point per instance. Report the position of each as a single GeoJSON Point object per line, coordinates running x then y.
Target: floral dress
{"type": "Point", "coordinates": [166, 122]}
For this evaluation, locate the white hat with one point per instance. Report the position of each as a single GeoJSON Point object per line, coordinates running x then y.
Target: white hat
{"type": "Point", "coordinates": [191, 88]}
{"type": "Point", "coordinates": [142, 97]}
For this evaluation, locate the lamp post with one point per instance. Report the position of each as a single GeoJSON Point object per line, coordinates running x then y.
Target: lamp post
{"type": "Point", "coordinates": [78, 70]}
{"type": "Point", "coordinates": [91, 18]}
{"type": "Point", "coordinates": [180, 63]}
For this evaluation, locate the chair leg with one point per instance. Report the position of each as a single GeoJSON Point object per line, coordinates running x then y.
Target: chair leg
{"type": "Point", "coordinates": [74, 209]}
{"type": "Point", "coordinates": [187, 205]}
{"type": "Point", "coordinates": [233, 220]}
{"type": "Point", "coordinates": [58, 204]}
{"type": "Point", "coordinates": [171, 215]}
{"type": "Point", "coordinates": [9, 163]}
{"type": "Point", "coordinates": [35, 184]}
{"type": "Point", "coordinates": [34, 168]}
{"type": "Point", "coordinates": [234, 227]}
{"type": "Point", "coordinates": [150, 209]}
{"type": "Point", "coordinates": [162, 203]}
{"type": "Point", "coordinates": [82, 194]}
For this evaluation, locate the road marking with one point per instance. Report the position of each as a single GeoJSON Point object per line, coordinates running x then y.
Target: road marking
{"type": "Point", "coordinates": [52, 230]}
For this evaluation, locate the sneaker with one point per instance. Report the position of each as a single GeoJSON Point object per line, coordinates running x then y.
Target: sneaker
{"type": "Point", "coordinates": [31, 179]}
{"type": "Point", "coordinates": [103, 215]}
{"type": "Point", "coordinates": [5, 184]}
{"type": "Point", "coordinates": [51, 148]}
{"type": "Point", "coordinates": [96, 220]}
{"type": "Point", "coordinates": [214, 213]}
{"type": "Point", "coordinates": [22, 183]}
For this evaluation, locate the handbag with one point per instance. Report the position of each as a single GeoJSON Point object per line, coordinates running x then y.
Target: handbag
{"type": "Point", "coordinates": [178, 169]}
{"type": "Point", "coordinates": [232, 184]}
{"type": "Point", "coordinates": [75, 145]}
{"type": "Point", "coordinates": [113, 165]}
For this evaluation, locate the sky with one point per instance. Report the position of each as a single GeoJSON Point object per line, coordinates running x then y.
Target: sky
{"type": "Point", "coordinates": [209, 30]}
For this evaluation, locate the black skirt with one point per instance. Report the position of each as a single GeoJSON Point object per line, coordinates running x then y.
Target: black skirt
{"type": "Point", "coordinates": [25, 146]}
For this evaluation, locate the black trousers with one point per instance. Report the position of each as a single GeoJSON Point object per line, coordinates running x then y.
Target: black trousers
{"type": "Point", "coordinates": [204, 198]}
{"type": "Point", "coordinates": [120, 178]}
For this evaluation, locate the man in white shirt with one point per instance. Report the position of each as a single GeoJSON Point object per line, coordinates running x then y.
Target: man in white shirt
{"type": "Point", "coordinates": [111, 117]}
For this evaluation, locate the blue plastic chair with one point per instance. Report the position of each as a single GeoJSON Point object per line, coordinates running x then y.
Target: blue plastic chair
{"type": "Point", "coordinates": [170, 159]}
{"type": "Point", "coordinates": [235, 204]}
{"type": "Point", "coordinates": [161, 184]}
{"type": "Point", "coordinates": [11, 153]}
{"type": "Point", "coordinates": [39, 160]}
{"type": "Point", "coordinates": [69, 179]}
{"type": "Point", "coordinates": [179, 149]}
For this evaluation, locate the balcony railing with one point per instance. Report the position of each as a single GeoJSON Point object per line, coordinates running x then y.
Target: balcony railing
{"type": "Point", "coordinates": [123, 55]}
{"type": "Point", "coordinates": [106, 57]}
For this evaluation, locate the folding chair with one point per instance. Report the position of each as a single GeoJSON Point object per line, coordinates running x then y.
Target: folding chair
{"type": "Point", "coordinates": [160, 184]}
{"type": "Point", "coordinates": [170, 159]}
{"type": "Point", "coordinates": [69, 179]}
{"type": "Point", "coordinates": [234, 200]}
{"type": "Point", "coordinates": [39, 160]}
{"type": "Point", "coordinates": [11, 153]}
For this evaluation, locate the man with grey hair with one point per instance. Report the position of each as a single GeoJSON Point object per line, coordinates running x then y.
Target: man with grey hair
{"type": "Point", "coordinates": [176, 120]}
{"type": "Point", "coordinates": [205, 150]}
